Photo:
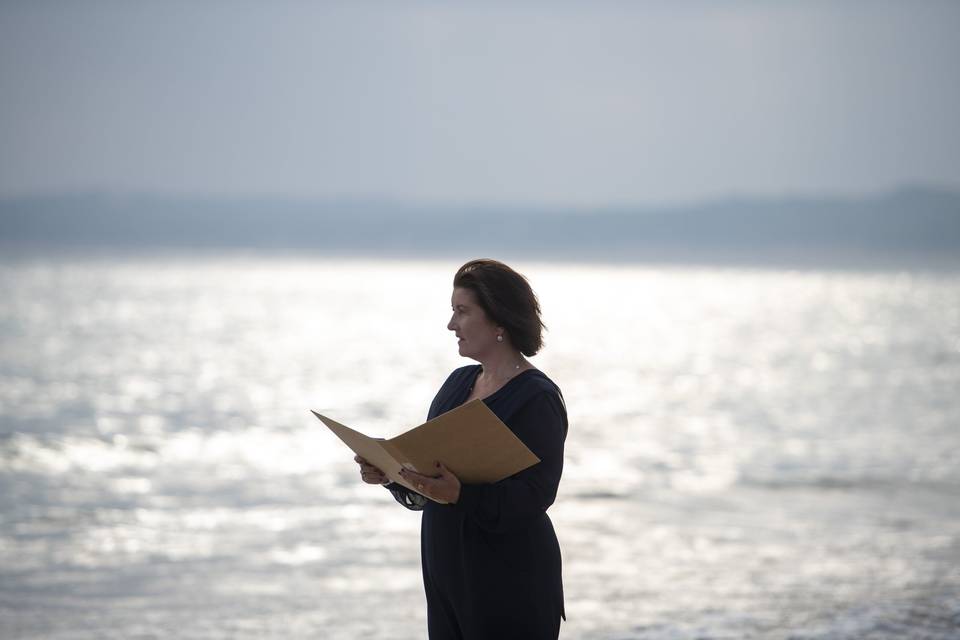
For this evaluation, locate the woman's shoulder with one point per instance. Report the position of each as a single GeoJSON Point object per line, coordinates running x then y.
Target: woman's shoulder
{"type": "Point", "coordinates": [536, 381]}
{"type": "Point", "coordinates": [531, 386]}
{"type": "Point", "coordinates": [462, 373]}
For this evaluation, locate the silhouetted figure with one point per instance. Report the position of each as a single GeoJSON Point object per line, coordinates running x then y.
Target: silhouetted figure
{"type": "Point", "coordinates": [491, 559]}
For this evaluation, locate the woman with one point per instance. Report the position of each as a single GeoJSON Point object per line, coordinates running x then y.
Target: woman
{"type": "Point", "coordinates": [491, 560]}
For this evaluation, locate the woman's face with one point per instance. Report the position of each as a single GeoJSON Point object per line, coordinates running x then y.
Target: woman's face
{"type": "Point", "coordinates": [476, 332]}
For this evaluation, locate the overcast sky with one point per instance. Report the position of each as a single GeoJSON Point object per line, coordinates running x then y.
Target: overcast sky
{"type": "Point", "coordinates": [558, 103]}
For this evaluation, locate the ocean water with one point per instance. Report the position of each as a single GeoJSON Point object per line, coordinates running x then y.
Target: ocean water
{"type": "Point", "coordinates": [753, 452]}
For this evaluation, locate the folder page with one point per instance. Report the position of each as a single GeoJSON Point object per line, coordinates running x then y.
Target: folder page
{"type": "Point", "coordinates": [470, 440]}
{"type": "Point", "coordinates": [370, 449]}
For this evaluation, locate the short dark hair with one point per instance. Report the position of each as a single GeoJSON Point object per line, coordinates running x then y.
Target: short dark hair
{"type": "Point", "coordinates": [508, 300]}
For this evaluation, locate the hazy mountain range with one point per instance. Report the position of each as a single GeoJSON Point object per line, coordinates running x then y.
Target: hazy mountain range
{"type": "Point", "coordinates": [915, 221]}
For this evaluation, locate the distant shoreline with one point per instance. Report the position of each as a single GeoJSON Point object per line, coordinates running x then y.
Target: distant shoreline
{"type": "Point", "coordinates": [909, 225]}
{"type": "Point", "coordinates": [838, 262]}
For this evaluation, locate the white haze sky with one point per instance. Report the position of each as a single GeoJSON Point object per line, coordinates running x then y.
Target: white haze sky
{"type": "Point", "coordinates": [556, 103]}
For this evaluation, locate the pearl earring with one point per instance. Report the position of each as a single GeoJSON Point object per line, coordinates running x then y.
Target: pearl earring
{"type": "Point", "coordinates": [499, 338]}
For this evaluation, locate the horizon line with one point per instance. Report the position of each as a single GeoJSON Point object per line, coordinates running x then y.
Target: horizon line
{"type": "Point", "coordinates": [438, 203]}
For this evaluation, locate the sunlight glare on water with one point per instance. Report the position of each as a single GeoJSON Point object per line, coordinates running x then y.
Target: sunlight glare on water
{"type": "Point", "coordinates": [751, 451]}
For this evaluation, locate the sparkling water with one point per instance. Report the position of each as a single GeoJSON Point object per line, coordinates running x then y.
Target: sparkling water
{"type": "Point", "coordinates": [753, 452]}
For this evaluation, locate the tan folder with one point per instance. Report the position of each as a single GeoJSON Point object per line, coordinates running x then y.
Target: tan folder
{"type": "Point", "coordinates": [470, 440]}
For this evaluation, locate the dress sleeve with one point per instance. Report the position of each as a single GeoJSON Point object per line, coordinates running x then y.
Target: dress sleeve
{"type": "Point", "coordinates": [410, 499]}
{"type": "Point", "coordinates": [511, 503]}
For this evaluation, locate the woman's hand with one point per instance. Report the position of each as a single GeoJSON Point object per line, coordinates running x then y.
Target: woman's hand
{"type": "Point", "coordinates": [369, 473]}
{"type": "Point", "coordinates": [444, 487]}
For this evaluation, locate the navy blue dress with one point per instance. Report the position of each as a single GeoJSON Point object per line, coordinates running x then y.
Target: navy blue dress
{"type": "Point", "coordinates": [491, 562]}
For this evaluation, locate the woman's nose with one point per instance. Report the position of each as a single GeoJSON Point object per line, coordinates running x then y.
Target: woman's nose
{"type": "Point", "coordinates": [450, 325]}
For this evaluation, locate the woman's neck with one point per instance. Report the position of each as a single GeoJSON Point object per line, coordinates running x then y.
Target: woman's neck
{"type": "Point", "coordinates": [497, 368]}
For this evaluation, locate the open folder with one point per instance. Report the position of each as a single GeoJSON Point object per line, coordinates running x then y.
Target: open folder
{"type": "Point", "coordinates": [470, 441]}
